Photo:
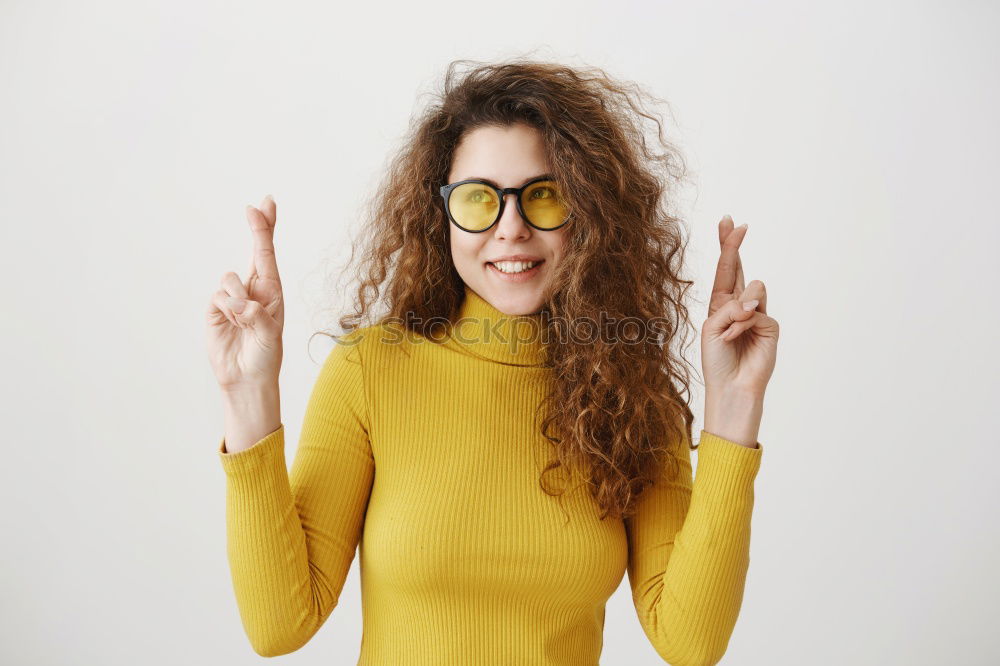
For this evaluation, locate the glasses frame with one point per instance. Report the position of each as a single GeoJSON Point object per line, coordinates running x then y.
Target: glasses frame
{"type": "Point", "coordinates": [502, 193]}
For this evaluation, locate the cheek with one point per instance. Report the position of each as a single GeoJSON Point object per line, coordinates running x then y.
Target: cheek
{"type": "Point", "coordinates": [464, 248]}
{"type": "Point", "coordinates": [557, 244]}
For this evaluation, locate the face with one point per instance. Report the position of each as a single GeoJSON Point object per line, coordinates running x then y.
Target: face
{"type": "Point", "coordinates": [509, 157]}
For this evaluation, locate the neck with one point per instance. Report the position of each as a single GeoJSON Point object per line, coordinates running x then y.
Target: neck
{"type": "Point", "coordinates": [482, 330]}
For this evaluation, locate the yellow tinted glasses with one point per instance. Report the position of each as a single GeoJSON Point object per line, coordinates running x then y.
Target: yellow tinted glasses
{"type": "Point", "coordinates": [475, 205]}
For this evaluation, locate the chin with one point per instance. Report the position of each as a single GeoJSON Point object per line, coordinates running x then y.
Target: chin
{"type": "Point", "coordinates": [523, 295]}
{"type": "Point", "coordinates": [513, 301]}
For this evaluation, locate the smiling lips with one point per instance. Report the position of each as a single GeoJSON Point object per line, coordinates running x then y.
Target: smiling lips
{"type": "Point", "coordinates": [515, 271]}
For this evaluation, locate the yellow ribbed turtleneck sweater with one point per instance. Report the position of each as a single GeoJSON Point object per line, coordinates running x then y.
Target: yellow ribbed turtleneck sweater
{"type": "Point", "coordinates": [428, 456]}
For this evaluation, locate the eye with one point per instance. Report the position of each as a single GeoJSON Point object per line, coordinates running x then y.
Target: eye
{"type": "Point", "coordinates": [480, 196]}
{"type": "Point", "coordinates": [542, 193]}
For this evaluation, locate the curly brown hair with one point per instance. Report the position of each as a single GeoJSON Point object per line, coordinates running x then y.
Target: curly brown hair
{"type": "Point", "coordinates": [615, 410]}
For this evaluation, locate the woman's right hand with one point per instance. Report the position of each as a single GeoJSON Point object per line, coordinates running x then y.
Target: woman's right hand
{"type": "Point", "coordinates": [245, 319]}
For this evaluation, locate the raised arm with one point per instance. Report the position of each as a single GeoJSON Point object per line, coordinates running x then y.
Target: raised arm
{"type": "Point", "coordinates": [689, 551]}
{"type": "Point", "coordinates": [291, 539]}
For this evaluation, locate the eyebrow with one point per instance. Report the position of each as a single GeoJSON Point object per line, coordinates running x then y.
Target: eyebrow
{"type": "Point", "coordinates": [547, 176]}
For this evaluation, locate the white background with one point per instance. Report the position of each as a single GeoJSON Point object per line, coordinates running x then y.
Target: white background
{"type": "Point", "coordinates": [858, 139]}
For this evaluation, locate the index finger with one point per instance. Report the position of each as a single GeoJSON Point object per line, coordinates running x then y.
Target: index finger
{"type": "Point", "coordinates": [264, 265]}
{"type": "Point", "coordinates": [726, 228]}
{"type": "Point", "coordinates": [726, 272]}
{"type": "Point", "coordinates": [269, 208]}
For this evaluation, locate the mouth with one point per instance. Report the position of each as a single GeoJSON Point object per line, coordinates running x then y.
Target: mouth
{"type": "Point", "coordinates": [515, 271]}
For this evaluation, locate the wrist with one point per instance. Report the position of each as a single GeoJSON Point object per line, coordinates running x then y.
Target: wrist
{"type": "Point", "coordinates": [734, 415]}
{"type": "Point", "coordinates": [250, 391]}
{"type": "Point", "coordinates": [250, 414]}
{"type": "Point", "coordinates": [256, 404]}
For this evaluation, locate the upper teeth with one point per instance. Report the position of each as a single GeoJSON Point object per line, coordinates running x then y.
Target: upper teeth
{"type": "Point", "coordinates": [515, 266]}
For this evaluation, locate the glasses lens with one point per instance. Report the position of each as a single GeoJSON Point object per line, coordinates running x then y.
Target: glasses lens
{"type": "Point", "coordinates": [543, 205]}
{"type": "Point", "coordinates": [474, 206]}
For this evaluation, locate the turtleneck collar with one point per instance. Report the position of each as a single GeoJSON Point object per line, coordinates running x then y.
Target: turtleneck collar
{"type": "Point", "coordinates": [484, 331]}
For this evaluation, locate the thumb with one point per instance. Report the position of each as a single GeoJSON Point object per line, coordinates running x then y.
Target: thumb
{"type": "Point", "coordinates": [728, 314]}
{"type": "Point", "coordinates": [256, 317]}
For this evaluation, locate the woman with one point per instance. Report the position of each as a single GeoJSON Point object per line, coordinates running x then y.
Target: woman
{"type": "Point", "coordinates": [500, 465]}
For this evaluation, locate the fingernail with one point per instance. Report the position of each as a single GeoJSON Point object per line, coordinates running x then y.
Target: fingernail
{"type": "Point", "coordinates": [750, 305]}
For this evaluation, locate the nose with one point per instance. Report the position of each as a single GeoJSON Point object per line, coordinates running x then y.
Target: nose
{"type": "Point", "coordinates": [511, 224]}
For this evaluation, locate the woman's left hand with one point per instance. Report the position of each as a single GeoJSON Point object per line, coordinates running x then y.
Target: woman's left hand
{"type": "Point", "coordinates": [738, 346]}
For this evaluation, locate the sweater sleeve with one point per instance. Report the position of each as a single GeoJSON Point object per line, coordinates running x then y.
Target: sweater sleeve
{"type": "Point", "coordinates": [689, 551]}
{"type": "Point", "coordinates": [291, 539]}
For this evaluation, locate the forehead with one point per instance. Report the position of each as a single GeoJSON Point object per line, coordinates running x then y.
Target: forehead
{"type": "Point", "coordinates": [507, 156]}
